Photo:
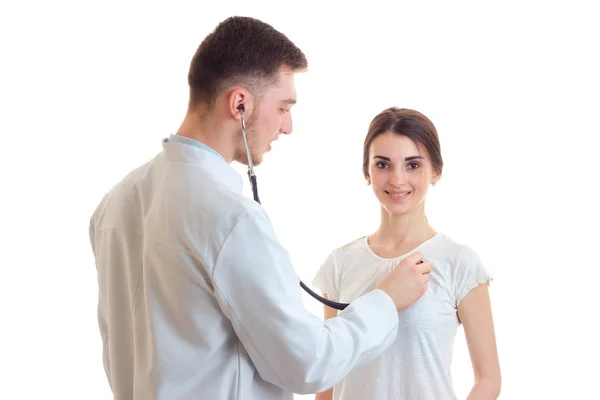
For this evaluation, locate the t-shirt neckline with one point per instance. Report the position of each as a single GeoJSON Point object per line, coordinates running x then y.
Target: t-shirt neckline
{"type": "Point", "coordinates": [365, 242]}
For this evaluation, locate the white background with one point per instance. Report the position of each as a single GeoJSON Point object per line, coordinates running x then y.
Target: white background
{"type": "Point", "coordinates": [89, 89]}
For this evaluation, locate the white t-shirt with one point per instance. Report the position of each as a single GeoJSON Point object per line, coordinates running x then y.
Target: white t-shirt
{"type": "Point", "coordinates": [417, 365]}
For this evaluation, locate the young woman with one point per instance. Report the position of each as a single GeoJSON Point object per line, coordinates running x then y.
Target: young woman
{"type": "Point", "coordinates": [401, 160]}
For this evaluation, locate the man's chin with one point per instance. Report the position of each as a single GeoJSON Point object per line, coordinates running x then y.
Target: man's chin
{"type": "Point", "coordinates": [257, 159]}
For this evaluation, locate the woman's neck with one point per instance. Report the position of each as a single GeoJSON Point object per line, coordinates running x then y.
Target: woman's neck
{"type": "Point", "coordinates": [400, 233]}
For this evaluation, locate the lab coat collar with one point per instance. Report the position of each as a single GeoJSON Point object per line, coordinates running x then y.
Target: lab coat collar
{"type": "Point", "coordinates": [220, 170]}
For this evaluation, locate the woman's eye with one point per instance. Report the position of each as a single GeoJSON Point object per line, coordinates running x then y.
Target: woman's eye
{"type": "Point", "coordinates": [413, 165]}
{"type": "Point", "coordinates": [381, 165]}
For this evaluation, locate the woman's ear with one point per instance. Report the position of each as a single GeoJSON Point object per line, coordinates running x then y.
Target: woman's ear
{"type": "Point", "coordinates": [436, 177]}
{"type": "Point", "coordinates": [368, 180]}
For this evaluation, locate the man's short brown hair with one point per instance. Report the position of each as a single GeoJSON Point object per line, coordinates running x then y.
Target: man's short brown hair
{"type": "Point", "coordinates": [244, 51]}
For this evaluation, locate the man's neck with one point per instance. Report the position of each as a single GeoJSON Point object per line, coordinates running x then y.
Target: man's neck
{"type": "Point", "coordinates": [210, 130]}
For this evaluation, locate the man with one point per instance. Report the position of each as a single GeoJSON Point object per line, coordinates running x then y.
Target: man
{"type": "Point", "coordinates": [197, 298]}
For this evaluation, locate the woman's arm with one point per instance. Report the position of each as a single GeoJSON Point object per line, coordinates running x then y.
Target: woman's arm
{"type": "Point", "coordinates": [475, 312]}
{"type": "Point", "coordinates": [329, 313]}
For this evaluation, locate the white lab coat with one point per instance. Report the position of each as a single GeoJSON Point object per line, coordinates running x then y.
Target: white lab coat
{"type": "Point", "coordinates": [199, 300]}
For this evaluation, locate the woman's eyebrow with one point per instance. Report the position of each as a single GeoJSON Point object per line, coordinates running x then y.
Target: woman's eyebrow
{"type": "Point", "coordinates": [406, 159]}
{"type": "Point", "coordinates": [383, 158]}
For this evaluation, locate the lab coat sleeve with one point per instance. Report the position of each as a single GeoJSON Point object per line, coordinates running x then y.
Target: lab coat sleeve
{"type": "Point", "coordinates": [101, 312]}
{"type": "Point", "coordinates": [257, 289]}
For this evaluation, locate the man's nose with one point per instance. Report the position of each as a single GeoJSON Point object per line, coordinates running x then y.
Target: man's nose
{"type": "Point", "coordinates": [286, 128]}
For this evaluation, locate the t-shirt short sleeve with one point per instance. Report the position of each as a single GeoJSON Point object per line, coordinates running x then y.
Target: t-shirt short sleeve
{"type": "Point", "coordinates": [327, 278]}
{"type": "Point", "coordinates": [469, 272]}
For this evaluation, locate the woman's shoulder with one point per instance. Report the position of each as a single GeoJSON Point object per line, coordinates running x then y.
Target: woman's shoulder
{"type": "Point", "coordinates": [350, 247]}
{"type": "Point", "coordinates": [462, 265]}
{"type": "Point", "coordinates": [452, 249]}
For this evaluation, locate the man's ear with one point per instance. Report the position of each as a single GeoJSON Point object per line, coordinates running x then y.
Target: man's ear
{"type": "Point", "coordinates": [239, 96]}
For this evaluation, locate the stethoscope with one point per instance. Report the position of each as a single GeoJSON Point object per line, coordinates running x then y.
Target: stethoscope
{"type": "Point", "coordinates": [329, 303]}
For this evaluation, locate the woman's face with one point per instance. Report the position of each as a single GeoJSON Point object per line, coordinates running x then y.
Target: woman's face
{"type": "Point", "coordinates": [399, 172]}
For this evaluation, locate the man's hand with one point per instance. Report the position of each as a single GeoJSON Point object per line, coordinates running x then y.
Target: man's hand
{"type": "Point", "coordinates": [407, 281]}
